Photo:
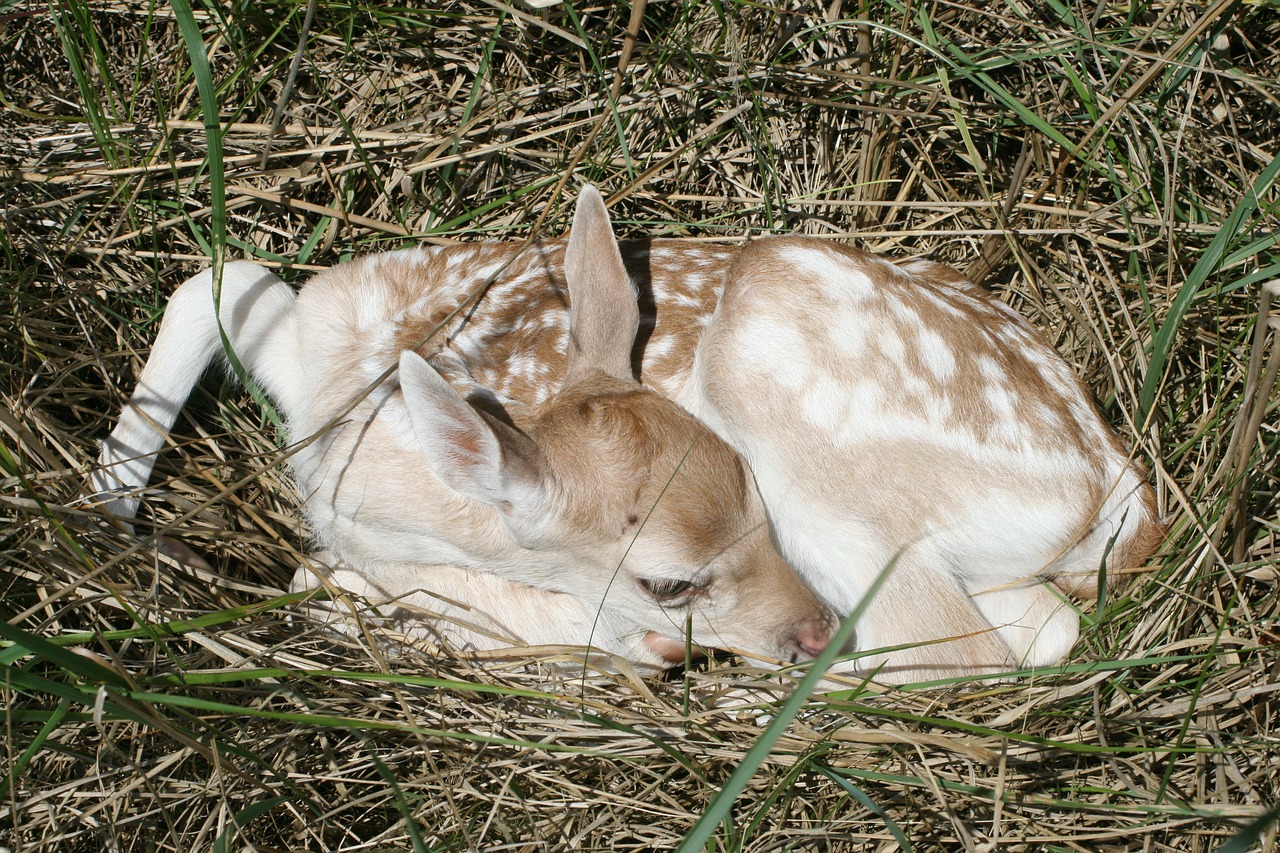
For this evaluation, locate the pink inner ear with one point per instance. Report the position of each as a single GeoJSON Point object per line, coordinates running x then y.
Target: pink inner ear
{"type": "Point", "coordinates": [671, 651]}
{"type": "Point", "coordinates": [468, 442]}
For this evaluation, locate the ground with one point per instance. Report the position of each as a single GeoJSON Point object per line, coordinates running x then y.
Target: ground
{"type": "Point", "coordinates": [1109, 171]}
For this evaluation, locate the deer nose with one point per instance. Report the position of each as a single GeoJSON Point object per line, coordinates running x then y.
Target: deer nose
{"type": "Point", "coordinates": [811, 637]}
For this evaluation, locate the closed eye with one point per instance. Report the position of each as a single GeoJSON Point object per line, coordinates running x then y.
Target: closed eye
{"type": "Point", "coordinates": [669, 590]}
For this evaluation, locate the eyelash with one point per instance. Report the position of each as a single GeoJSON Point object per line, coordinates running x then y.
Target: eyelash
{"type": "Point", "coordinates": [668, 589]}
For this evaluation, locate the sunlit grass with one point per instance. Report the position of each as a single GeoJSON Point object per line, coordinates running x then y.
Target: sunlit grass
{"type": "Point", "coordinates": [1111, 172]}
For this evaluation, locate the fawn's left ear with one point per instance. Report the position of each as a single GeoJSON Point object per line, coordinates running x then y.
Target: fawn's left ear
{"type": "Point", "coordinates": [604, 313]}
{"type": "Point", "coordinates": [477, 456]}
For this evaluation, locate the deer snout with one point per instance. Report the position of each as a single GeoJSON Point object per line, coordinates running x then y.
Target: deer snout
{"type": "Point", "coordinates": [810, 637]}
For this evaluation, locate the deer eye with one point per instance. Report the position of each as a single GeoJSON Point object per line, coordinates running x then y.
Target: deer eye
{"type": "Point", "coordinates": [668, 589]}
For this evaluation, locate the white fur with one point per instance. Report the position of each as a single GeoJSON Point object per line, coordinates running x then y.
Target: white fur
{"type": "Point", "coordinates": [409, 487]}
{"type": "Point", "coordinates": [894, 418]}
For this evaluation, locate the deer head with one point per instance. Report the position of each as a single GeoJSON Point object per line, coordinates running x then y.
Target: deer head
{"type": "Point", "coordinates": [640, 506]}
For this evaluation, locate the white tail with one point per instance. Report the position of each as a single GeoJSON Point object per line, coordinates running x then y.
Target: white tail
{"type": "Point", "coordinates": [890, 414]}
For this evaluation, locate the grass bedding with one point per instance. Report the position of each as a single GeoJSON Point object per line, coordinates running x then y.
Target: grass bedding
{"type": "Point", "coordinates": [1109, 170]}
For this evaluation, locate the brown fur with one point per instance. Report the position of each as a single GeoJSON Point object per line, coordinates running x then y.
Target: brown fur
{"type": "Point", "coordinates": [891, 415]}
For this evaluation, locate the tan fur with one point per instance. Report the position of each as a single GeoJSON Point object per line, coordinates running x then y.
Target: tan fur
{"type": "Point", "coordinates": [865, 417]}
{"type": "Point", "coordinates": [607, 516]}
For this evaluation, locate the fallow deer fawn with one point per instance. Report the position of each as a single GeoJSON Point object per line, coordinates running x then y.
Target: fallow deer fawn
{"type": "Point", "coordinates": [890, 415]}
{"type": "Point", "coordinates": [600, 515]}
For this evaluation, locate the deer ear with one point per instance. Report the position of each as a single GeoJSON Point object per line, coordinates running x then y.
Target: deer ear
{"type": "Point", "coordinates": [477, 456]}
{"type": "Point", "coordinates": [604, 314]}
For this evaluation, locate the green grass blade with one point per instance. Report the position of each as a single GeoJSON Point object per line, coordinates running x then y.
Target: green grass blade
{"type": "Point", "coordinates": [70, 17]}
{"type": "Point", "coordinates": [203, 76]}
{"type": "Point", "coordinates": [718, 810]}
{"type": "Point", "coordinates": [56, 716]}
{"type": "Point", "coordinates": [861, 796]}
{"type": "Point", "coordinates": [241, 819]}
{"type": "Point", "coordinates": [1209, 263]}
{"type": "Point", "coordinates": [68, 661]}
{"type": "Point", "coordinates": [1249, 838]}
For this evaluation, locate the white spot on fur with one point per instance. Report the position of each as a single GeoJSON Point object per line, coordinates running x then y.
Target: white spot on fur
{"type": "Point", "coordinates": [1003, 410]}
{"type": "Point", "coordinates": [832, 269]}
{"type": "Point", "coordinates": [849, 335]}
{"type": "Point", "coordinates": [892, 347]}
{"type": "Point", "coordinates": [866, 398]}
{"type": "Point", "coordinates": [940, 411]}
{"type": "Point", "coordinates": [825, 403]}
{"type": "Point", "coordinates": [936, 354]}
{"type": "Point", "coordinates": [904, 312]}
{"type": "Point", "coordinates": [659, 349]}
{"type": "Point", "coordinates": [988, 367]}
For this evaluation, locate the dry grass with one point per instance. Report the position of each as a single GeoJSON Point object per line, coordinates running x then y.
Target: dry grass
{"type": "Point", "coordinates": [1108, 170]}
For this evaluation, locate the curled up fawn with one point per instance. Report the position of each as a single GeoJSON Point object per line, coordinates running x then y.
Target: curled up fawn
{"type": "Point", "coordinates": [805, 416]}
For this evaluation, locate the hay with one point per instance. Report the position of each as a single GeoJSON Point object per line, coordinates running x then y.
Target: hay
{"type": "Point", "coordinates": [1084, 163]}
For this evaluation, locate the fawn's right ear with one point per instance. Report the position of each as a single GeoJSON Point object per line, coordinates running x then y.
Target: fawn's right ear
{"type": "Point", "coordinates": [477, 456]}
{"type": "Point", "coordinates": [604, 313]}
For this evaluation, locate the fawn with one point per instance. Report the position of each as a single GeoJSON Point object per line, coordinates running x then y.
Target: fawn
{"type": "Point", "coordinates": [800, 406]}
{"type": "Point", "coordinates": [601, 515]}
